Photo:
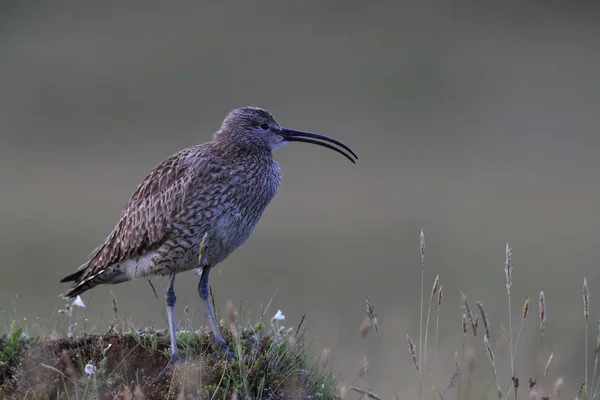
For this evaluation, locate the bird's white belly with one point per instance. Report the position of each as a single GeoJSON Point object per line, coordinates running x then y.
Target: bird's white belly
{"type": "Point", "coordinates": [138, 267]}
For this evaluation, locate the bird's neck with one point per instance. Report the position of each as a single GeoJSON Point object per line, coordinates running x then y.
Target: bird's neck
{"type": "Point", "coordinates": [233, 147]}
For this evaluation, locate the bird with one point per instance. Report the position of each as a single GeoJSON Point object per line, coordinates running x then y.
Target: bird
{"type": "Point", "coordinates": [194, 209]}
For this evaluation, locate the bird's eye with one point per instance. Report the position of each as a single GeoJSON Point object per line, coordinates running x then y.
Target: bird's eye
{"type": "Point", "coordinates": [264, 126]}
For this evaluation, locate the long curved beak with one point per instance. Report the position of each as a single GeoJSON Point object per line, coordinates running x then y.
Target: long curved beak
{"type": "Point", "coordinates": [307, 137]}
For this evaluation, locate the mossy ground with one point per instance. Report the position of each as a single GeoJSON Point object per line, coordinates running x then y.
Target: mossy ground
{"type": "Point", "coordinates": [270, 363]}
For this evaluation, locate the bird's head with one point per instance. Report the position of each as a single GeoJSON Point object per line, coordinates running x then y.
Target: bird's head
{"type": "Point", "coordinates": [255, 128]}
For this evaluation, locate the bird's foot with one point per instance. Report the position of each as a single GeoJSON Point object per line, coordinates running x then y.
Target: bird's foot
{"type": "Point", "coordinates": [222, 348]}
{"type": "Point", "coordinates": [173, 361]}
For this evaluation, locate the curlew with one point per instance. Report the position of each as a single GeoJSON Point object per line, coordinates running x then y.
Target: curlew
{"type": "Point", "coordinates": [209, 195]}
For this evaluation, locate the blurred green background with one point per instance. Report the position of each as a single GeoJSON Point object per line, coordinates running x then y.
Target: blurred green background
{"type": "Point", "coordinates": [477, 123]}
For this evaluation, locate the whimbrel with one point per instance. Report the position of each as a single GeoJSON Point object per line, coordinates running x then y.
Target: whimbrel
{"type": "Point", "coordinates": [215, 191]}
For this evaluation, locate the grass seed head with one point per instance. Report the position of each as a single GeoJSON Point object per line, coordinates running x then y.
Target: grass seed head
{"type": "Point", "coordinates": [412, 351]}
{"type": "Point", "coordinates": [525, 308]}
{"type": "Point", "coordinates": [422, 246]}
{"type": "Point", "coordinates": [440, 296]}
{"type": "Point", "coordinates": [485, 320]}
{"type": "Point", "coordinates": [542, 311]}
{"type": "Point", "coordinates": [586, 299]}
{"type": "Point", "coordinates": [436, 284]}
{"type": "Point", "coordinates": [580, 393]}
{"type": "Point", "coordinates": [463, 322]}
{"type": "Point", "coordinates": [371, 317]}
{"type": "Point", "coordinates": [508, 267]}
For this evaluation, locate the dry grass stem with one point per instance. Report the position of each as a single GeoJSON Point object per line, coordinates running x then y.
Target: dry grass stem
{"type": "Point", "coordinates": [231, 319]}
{"type": "Point", "coordinates": [484, 318]}
{"type": "Point", "coordinates": [546, 369]}
{"type": "Point", "coordinates": [524, 312]}
{"type": "Point", "coordinates": [367, 393]}
{"type": "Point", "coordinates": [586, 314]}
{"type": "Point", "coordinates": [437, 318]}
{"type": "Point", "coordinates": [434, 289]}
{"type": "Point", "coordinates": [489, 350]}
{"type": "Point", "coordinates": [422, 250]}
{"type": "Point", "coordinates": [490, 354]}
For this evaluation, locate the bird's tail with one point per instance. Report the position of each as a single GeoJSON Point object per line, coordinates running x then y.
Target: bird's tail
{"type": "Point", "coordinates": [78, 287]}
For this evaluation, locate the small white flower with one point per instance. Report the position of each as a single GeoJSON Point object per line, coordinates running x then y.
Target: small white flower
{"type": "Point", "coordinates": [78, 302]}
{"type": "Point", "coordinates": [90, 369]}
{"type": "Point", "coordinates": [278, 316]}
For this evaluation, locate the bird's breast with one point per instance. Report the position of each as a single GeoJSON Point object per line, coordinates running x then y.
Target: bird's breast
{"type": "Point", "coordinates": [247, 201]}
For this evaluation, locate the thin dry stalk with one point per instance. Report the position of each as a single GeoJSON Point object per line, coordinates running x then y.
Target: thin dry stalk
{"type": "Point", "coordinates": [524, 312]}
{"type": "Point", "coordinates": [367, 393]}
{"type": "Point", "coordinates": [470, 362]}
{"type": "Point", "coordinates": [422, 249]}
{"type": "Point", "coordinates": [490, 354]}
{"type": "Point", "coordinates": [434, 289]}
{"type": "Point", "coordinates": [542, 313]}
{"type": "Point", "coordinates": [595, 387]}
{"type": "Point", "coordinates": [508, 275]}
{"type": "Point", "coordinates": [437, 319]}
{"type": "Point", "coordinates": [463, 323]}
{"type": "Point", "coordinates": [231, 319]}
{"type": "Point", "coordinates": [586, 314]}
{"type": "Point", "coordinates": [546, 370]}
{"type": "Point", "coordinates": [115, 308]}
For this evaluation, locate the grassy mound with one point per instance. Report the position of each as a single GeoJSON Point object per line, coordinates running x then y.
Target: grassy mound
{"type": "Point", "coordinates": [271, 363]}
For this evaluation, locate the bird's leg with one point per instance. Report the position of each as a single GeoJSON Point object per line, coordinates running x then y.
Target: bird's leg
{"type": "Point", "coordinates": [203, 290]}
{"type": "Point", "coordinates": [170, 299]}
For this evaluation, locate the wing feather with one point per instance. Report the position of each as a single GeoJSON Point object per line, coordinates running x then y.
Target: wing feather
{"type": "Point", "coordinates": [146, 217]}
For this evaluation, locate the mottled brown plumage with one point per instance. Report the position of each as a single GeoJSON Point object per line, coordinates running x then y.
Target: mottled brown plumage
{"type": "Point", "coordinates": [218, 189]}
